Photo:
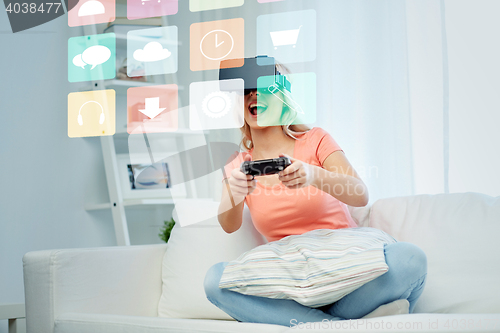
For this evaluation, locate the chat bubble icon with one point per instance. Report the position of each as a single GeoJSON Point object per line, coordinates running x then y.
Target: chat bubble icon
{"type": "Point", "coordinates": [77, 61]}
{"type": "Point", "coordinates": [94, 55]}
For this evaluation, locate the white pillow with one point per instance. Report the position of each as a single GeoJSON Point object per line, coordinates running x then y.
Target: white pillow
{"type": "Point", "coordinates": [191, 251]}
{"type": "Point", "coordinates": [459, 234]}
{"type": "Point", "coordinates": [314, 269]}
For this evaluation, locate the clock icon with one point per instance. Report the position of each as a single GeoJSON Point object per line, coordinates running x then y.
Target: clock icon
{"type": "Point", "coordinates": [216, 44]}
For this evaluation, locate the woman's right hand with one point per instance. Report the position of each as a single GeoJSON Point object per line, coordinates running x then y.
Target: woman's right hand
{"type": "Point", "coordinates": [241, 185]}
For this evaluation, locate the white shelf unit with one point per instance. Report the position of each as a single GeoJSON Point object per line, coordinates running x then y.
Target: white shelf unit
{"type": "Point", "coordinates": [135, 202]}
{"type": "Point", "coordinates": [116, 202]}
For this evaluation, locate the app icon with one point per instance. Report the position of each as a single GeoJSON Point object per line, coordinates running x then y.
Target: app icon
{"type": "Point", "coordinates": [91, 58]}
{"type": "Point", "coordinates": [288, 37]}
{"type": "Point", "coordinates": [152, 109]}
{"type": "Point", "coordinates": [154, 50]}
{"type": "Point", "coordinates": [214, 41]}
{"type": "Point", "coordinates": [216, 104]}
{"type": "Point", "coordinates": [90, 12]}
{"type": "Point", "coordinates": [199, 5]}
{"type": "Point", "coordinates": [91, 113]}
{"type": "Point", "coordinates": [137, 9]}
{"type": "Point", "coordinates": [291, 105]}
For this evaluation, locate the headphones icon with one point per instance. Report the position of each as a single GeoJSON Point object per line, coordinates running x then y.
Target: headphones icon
{"type": "Point", "coordinates": [80, 118]}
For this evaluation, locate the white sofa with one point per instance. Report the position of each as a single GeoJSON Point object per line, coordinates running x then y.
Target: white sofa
{"type": "Point", "coordinates": [159, 288]}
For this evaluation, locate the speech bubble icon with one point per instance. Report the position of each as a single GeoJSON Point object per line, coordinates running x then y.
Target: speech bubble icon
{"type": "Point", "coordinates": [77, 61]}
{"type": "Point", "coordinates": [96, 55]}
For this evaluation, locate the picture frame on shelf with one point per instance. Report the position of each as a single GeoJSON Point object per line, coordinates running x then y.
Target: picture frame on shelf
{"type": "Point", "coordinates": [145, 180]}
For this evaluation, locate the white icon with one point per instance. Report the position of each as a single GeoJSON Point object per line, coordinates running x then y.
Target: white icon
{"type": "Point", "coordinates": [216, 104]}
{"type": "Point", "coordinates": [92, 7]}
{"type": "Point", "coordinates": [217, 33]}
{"type": "Point", "coordinates": [213, 108]}
{"type": "Point", "coordinates": [289, 101]}
{"type": "Point", "coordinates": [80, 118]}
{"type": "Point", "coordinates": [216, 43]}
{"type": "Point", "coordinates": [153, 51]}
{"type": "Point", "coordinates": [152, 107]}
{"type": "Point", "coordinates": [143, 1]}
{"type": "Point", "coordinates": [94, 55]}
{"type": "Point", "coordinates": [285, 37]}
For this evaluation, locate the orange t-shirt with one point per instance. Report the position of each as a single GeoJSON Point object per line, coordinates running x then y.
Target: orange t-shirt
{"type": "Point", "coordinates": [278, 211]}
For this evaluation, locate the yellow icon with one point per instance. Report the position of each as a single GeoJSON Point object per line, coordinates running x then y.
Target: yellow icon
{"type": "Point", "coordinates": [91, 113]}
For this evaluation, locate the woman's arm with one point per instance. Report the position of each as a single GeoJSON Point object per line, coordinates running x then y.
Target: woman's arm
{"type": "Point", "coordinates": [337, 178]}
{"type": "Point", "coordinates": [234, 191]}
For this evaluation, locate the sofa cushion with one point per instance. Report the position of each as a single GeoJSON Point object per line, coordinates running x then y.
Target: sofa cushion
{"type": "Point", "coordinates": [314, 269]}
{"type": "Point", "coordinates": [459, 234]}
{"type": "Point", "coordinates": [421, 322]}
{"type": "Point", "coordinates": [99, 323]}
{"type": "Point", "coordinates": [191, 251]}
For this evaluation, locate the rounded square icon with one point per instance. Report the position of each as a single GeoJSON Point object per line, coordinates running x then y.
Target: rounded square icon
{"type": "Point", "coordinates": [212, 42]}
{"type": "Point", "coordinates": [288, 37]}
{"type": "Point", "coordinates": [91, 58]}
{"type": "Point", "coordinates": [216, 104]}
{"type": "Point", "coordinates": [199, 5]}
{"type": "Point", "coordinates": [152, 109]}
{"type": "Point", "coordinates": [152, 51]}
{"type": "Point", "coordinates": [91, 113]}
{"type": "Point", "coordinates": [277, 105]}
{"type": "Point", "coordinates": [137, 9]}
{"type": "Point", "coordinates": [85, 12]}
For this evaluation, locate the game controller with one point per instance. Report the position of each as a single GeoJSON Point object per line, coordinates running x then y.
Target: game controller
{"type": "Point", "coordinates": [265, 167]}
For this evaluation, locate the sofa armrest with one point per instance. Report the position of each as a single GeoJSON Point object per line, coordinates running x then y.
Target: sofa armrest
{"type": "Point", "coordinates": [113, 280]}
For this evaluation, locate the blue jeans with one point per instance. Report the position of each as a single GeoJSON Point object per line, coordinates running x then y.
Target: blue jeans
{"type": "Point", "coordinates": [405, 279]}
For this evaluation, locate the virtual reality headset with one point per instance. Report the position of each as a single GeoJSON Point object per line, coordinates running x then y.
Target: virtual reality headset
{"type": "Point", "coordinates": [252, 69]}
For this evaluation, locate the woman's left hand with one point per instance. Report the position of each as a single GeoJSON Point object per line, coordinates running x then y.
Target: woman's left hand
{"type": "Point", "coordinates": [298, 174]}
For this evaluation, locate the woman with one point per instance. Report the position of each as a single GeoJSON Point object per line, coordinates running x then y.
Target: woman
{"type": "Point", "coordinates": [312, 193]}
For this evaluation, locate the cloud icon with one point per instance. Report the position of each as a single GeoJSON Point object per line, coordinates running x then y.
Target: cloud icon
{"type": "Point", "coordinates": [94, 55]}
{"type": "Point", "coordinates": [153, 51]}
{"type": "Point", "coordinates": [92, 7]}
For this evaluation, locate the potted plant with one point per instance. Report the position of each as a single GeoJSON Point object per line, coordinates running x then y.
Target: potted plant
{"type": "Point", "coordinates": [166, 229]}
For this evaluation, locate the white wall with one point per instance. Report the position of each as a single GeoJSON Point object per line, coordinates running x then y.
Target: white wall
{"type": "Point", "coordinates": [474, 64]}
{"type": "Point", "coordinates": [453, 54]}
{"type": "Point", "coordinates": [425, 76]}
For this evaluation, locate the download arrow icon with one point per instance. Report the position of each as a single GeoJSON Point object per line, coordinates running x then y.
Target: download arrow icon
{"type": "Point", "coordinates": [152, 107]}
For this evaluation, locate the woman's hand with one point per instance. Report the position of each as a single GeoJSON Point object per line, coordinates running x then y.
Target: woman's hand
{"type": "Point", "coordinates": [241, 185]}
{"type": "Point", "coordinates": [298, 174]}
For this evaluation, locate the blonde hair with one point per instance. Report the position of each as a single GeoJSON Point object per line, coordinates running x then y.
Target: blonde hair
{"type": "Point", "coordinates": [289, 130]}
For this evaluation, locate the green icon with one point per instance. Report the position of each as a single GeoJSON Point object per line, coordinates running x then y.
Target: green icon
{"type": "Point", "coordinates": [92, 58]}
{"type": "Point", "coordinates": [286, 102]}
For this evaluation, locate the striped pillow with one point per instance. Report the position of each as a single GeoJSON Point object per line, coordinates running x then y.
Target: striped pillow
{"type": "Point", "coordinates": [314, 269]}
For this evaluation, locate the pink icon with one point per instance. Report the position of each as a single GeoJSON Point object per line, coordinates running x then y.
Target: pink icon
{"type": "Point", "coordinates": [137, 9]}
{"type": "Point", "coordinates": [152, 109]}
{"type": "Point", "coordinates": [87, 12]}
